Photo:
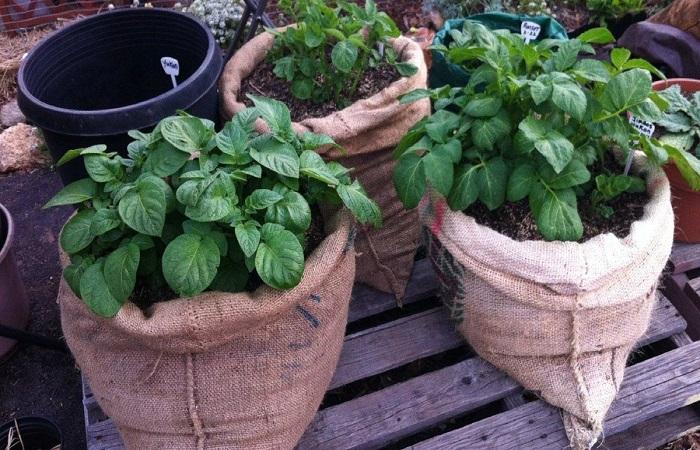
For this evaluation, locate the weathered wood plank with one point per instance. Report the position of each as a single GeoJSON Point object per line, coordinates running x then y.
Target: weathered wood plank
{"type": "Point", "coordinates": [367, 301]}
{"type": "Point", "coordinates": [657, 431]}
{"type": "Point", "coordinates": [104, 436]}
{"type": "Point", "coordinates": [686, 301]}
{"type": "Point", "coordinates": [651, 388]}
{"type": "Point", "coordinates": [393, 344]}
{"type": "Point", "coordinates": [417, 404]}
{"type": "Point", "coordinates": [685, 257]}
{"type": "Point", "coordinates": [400, 410]}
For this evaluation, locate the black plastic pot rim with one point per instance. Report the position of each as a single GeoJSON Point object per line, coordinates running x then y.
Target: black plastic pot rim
{"type": "Point", "coordinates": [6, 243]}
{"type": "Point", "coordinates": [32, 420]}
{"type": "Point", "coordinates": [212, 51]}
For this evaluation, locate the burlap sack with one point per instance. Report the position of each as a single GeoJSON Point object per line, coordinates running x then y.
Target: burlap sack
{"type": "Point", "coordinates": [368, 130]}
{"type": "Point", "coordinates": [559, 317]}
{"type": "Point", "coordinates": [220, 371]}
{"type": "Point", "coordinates": [682, 14]}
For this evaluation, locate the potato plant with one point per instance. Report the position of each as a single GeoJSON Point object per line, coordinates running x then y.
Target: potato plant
{"type": "Point", "coordinates": [326, 54]}
{"type": "Point", "coordinates": [200, 210]}
{"type": "Point", "coordinates": [536, 123]}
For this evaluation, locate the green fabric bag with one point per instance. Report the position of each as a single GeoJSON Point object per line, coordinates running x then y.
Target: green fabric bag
{"type": "Point", "coordinates": [443, 72]}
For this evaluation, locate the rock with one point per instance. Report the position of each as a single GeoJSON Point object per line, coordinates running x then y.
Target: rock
{"type": "Point", "coordinates": [11, 115]}
{"type": "Point", "coordinates": [22, 148]}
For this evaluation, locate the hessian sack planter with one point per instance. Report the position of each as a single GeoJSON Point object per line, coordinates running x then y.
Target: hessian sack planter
{"type": "Point", "coordinates": [368, 130]}
{"type": "Point", "coordinates": [220, 370]}
{"type": "Point", "coordinates": [559, 317]}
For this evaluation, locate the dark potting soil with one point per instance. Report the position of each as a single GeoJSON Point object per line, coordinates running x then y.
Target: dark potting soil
{"type": "Point", "coordinates": [35, 381]}
{"type": "Point", "coordinates": [263, 82]}
{"type": "Point", "coordinates": [516, 221]}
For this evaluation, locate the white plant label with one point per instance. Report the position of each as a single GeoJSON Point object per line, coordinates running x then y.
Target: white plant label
{"type": "Point", "coordinates": [171, 67]}
{"type": "Point", "coordinates": [529, 31]}
{"type": "Point", "coordinates": [642, 126]}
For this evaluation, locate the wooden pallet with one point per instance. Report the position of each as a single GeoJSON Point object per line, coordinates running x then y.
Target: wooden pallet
{"type": "Point", "coordinates": [682, 287]}
{"type": "Point", "coordinates": [407, 380]}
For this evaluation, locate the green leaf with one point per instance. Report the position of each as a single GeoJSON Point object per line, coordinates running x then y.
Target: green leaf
{"type": "Point", "coordinates": [406, 69]}
{"type": "Point", "coordinates": [190, 263]}
{"type": "Point", "coordinates": [274, 113]}
{"type": "Point", "coordinates": [465, 189]}
{"type": "Point", "coordinates": [77, 232]}
{"type": "Point", "coordinates": [688, 165]}
{"type": "Point", "coordinates": [76, 192]}
{"type": "Point", "coordinates": [248, 237]}
{"type": "Point", "coordinates": [452, 148]}
{"type": "Point", "coordinates": [215, 202]}
{"type": "Point", "coordinates": [409, 179]}
{"type": "Point", "coordinates": [104, 220]}
{"type": "Point", "coordinates": [521, 182]}
{"type": "Point", "coordinates": [493, 181]}
{"type": "Point", "coordinates": [681, 141]}
{"type": "Point", "coordinates": [120, 271]}
{"type": "Point", "coordinates": [74, 272]}
{"type": "Point", "coordinates": [619, 56]}
{"type": "Point", "coordinates": [597, 36]}
{"type": "Point", "coordinates": [566, 55]}
{"type": "Point", "coordinates": [556, 149]}
{"type": "Point", "coordinates": [188, 134]}
{"type": "Point", "coordinates": [292, 212]}
{"type": "Point", "coordinates": [540, 91]}
{"type": "Point", "coordinates": [164, 160]}
{"type": "Point", "coordinates": [102, 169]}
{"type": "Point", "coordinates": [313, 166]}
{"type": "Point", "coordinates": [574, 174]}
{"type": "Point", "coordinates": [344, 55]}
{"type": "Point", "coordinates": [568, 96]}
{"type": "Point", "coordinates": [362, 207]}
{"type": "Point", "coordinates": [279, 260]}
{"type": "Point", "coordinates": [313, 141]}
{"type": "Point", "coordinates": [483, 107]}
{"type": "Point", "coordinates": [439, 171]}
{"type": "Point", "coordinates": [143, 208]}
{"type": "Point", "coordinates": [415, 95]}
{"type": "Point", "coordinates": [676, 122]}
{"type": "Point", "coordinates": [485, 133]}
{"type": "Point", "coordinates": [262, 198]}
{"type": "Point", "coordinates": [230, 278]}
{"type": "Point", "coordinates": [95, 293]}
{"type": "Point", "coordinates": [232, 140]}
{"type": "Point", "coordinates": [441, 125]}
{"type": "Point", "coordinates": [314, 36]}
{"type": "Point", "coordinates": [70, 155]}
{"type": "Point", "coordinates": [647, 110]}
{"type": "Point", "coordinates": [592, 70]}
{"type": "Point", "coordinates": [557, 216]}
{"type": "Point", "coordinates": [277, 156]}
{"type": "Point", "coordinates": [284, 68]}
{"type": "Point", "coordinates": [626, 90]}
{"type": "Point", "coordinates": [303, 88]}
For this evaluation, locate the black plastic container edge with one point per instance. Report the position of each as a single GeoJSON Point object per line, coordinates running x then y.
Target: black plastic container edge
{"type": "Point", "coordinates": [37, 433]}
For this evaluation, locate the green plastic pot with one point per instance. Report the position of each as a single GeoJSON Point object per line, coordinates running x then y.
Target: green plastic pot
{"type": "Point", "coordinates": [443, 73]}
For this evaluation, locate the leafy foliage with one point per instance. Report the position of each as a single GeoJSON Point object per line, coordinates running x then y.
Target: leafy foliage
{"type": "Point", "coordinates": [326, 54]}
{"type": "Point", "coordinates": [604, 10]}
{"type": "Point", "coordinates": [453, 9]}
{"type": "Point", "coordinates": [681, 121]}
{"type": "Point", "coordinates": [535, 122]}
{"type": "Point", "coordinates": [197, 210]}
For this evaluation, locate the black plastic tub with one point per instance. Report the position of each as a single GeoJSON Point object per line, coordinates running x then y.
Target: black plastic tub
{"type": "Point", "coordinates": [37, 433]}
{"type": "Point", "coordinates": [91, 82]}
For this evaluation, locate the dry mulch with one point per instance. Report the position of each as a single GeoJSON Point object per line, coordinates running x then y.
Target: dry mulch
{"type": "Point", "coordinates": [11, 50]}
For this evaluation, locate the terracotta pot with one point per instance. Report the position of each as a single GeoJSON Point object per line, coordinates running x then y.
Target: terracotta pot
{"type": "Point", "coordinates": [686, 202]}
{"type": "Point", "coordinates": [14, 306]}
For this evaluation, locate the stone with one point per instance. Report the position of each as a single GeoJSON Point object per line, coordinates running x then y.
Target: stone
{"type": "Point", "coordinates": [22, 148]}
{"type": "Point", "coordinates": [11, 115]}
